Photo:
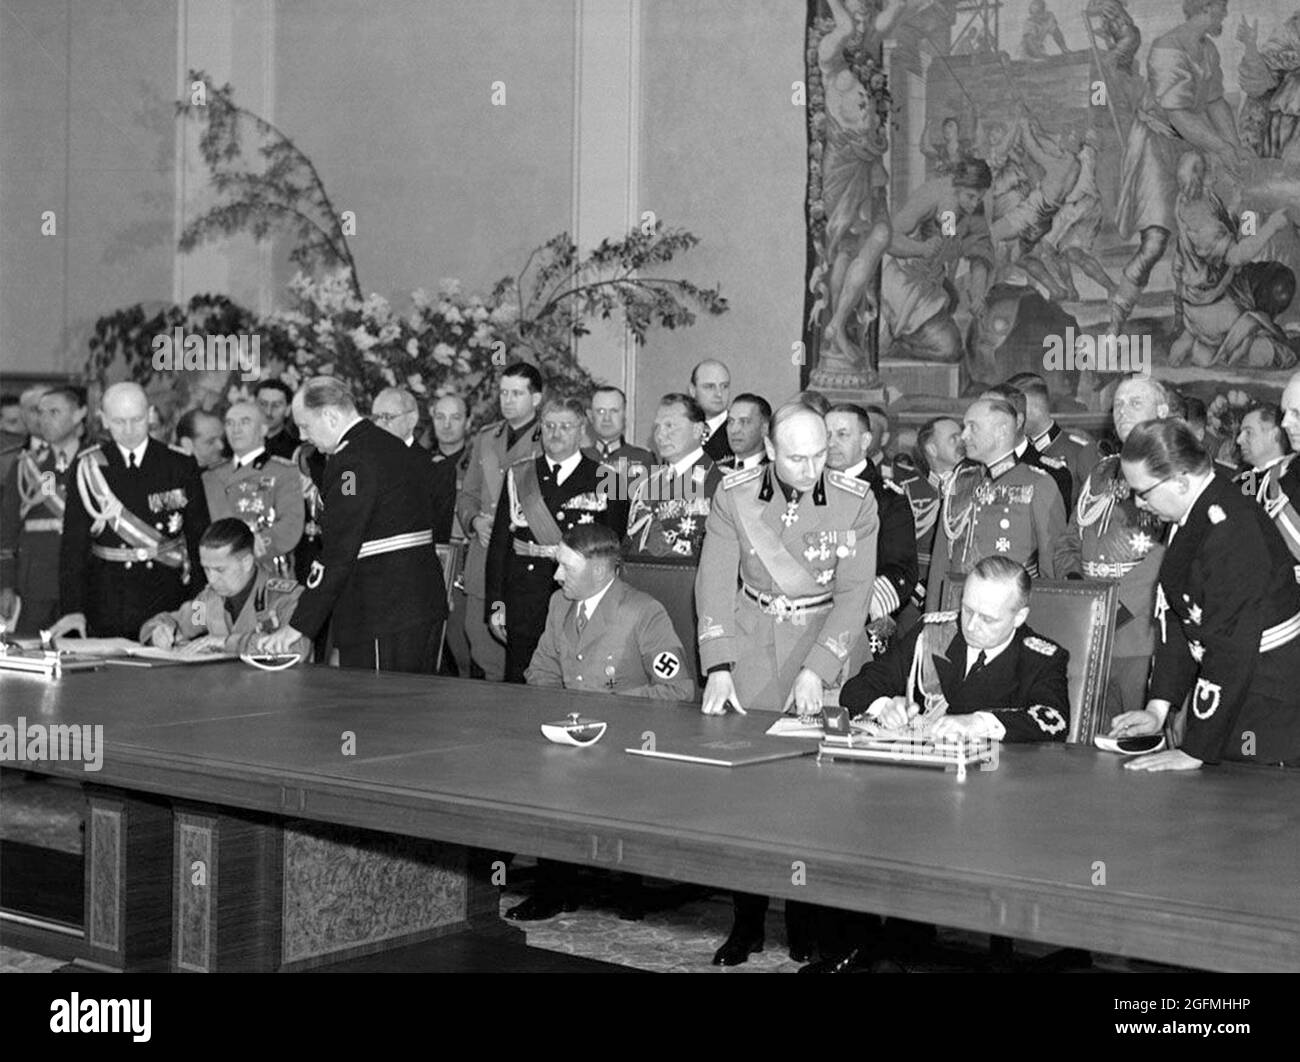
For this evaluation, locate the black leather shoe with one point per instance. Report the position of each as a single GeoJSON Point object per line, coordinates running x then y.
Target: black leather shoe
{"type": "Point", "coordinates": [538, 908]}
{"type": "Point", "coordinates": [740, 944]}
{"type": "Point", "coordinates": [801, 950]}
{"type": "Point", "coordinates": [860, 960]}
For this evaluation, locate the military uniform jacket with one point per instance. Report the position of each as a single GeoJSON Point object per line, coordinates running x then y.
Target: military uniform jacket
{"type": "Point", "coordinates": [668, 514]}
{"type": "Point", "coordinates": [166, 494]}
{"type": "Point", "coordinates": [1109, 537]}
{"type": "Point", "coordinates": [1228, 613]}
{"type": "Point", "coordinates": [481, 490]}
{"type": "Point", "coordinates": [1012, 509]}
{"type": "Point", "coordinates": [375, 488]}
{"type": "Point", "coordinates": [823, 544]}
{"type": "Point", "coordinates": [1054, 467]}
{"type": "Point", "coordinates": [1076, 449]}
{"type": "Point", "coordinates": [266, 494]}
{"type": "Point", "coordinates": [629, 459]}
{"type": "Point", "coordinates": [32, 503]}
{"type": "Point", "coordinates": [1277, 488]}
{"type": "Point", "coordinates": [628, 646]}
{"type": "Point", "coordinates": [582, 498]}
{"type": "Point", "coordinates": [311, 474]}
{"type": "Point", "coordinates": [448, 477]}
{"type": "Point", "coordinates": [283, 443]}
{"type": "Point", "coordinates": [1024, 687]}
{"type": "Point", "coordinates": [267, 608]}
{"type": "Point", "coordinates": [896, 564]}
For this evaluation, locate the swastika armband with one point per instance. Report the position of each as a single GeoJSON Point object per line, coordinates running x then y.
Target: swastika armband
{"type": "Point", "coordinates": [666, 665]}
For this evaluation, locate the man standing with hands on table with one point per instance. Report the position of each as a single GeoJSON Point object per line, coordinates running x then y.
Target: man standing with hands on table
{"type": "Point", "coordinates": [1227, 610]}
{"type": "Point", "coordinates": [378, 573]}
{"type": "Point", "coordinates": [801, 542]}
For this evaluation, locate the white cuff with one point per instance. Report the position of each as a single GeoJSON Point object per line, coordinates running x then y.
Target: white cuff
{"type": "Point", "coordinates": [990, 726]}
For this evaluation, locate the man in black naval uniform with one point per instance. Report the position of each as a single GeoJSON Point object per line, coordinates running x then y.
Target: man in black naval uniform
{"type": "Point", "coordinates": [135, 513]}
{"type": "Point", "coordinates": [978, 673]}
{"type": "Point", "coordinates": [1227, 612]}
{"type": "Point", "coordinates": [848, 429]}
{"type": "Point", "coordinates": [378, 572]}
{"type": "Point", "coordinates": [543, 498]}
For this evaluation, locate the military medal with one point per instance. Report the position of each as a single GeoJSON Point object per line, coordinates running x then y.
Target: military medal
{"type": "Point", "coordinates": [791, 514]}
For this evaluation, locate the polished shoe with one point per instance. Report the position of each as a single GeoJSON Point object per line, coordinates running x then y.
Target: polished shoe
{"type": "Point", "coordinates": [840, 964]}
{"type": "Point", "coordinates": [740, 944]}
{"type": "Point", "coordinates": [801, 950]}
{"type": "Point", "coordinates": [539, 908]}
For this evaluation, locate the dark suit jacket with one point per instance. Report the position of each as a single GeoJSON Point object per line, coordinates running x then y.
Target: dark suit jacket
{"type": "Point", "coordinates": [448, 474]}
{"type": "Point", "coordinates": [718, 446]}
{"type": "Point", "coordinates": [1024, 686]}
{"type": "Point", "coordinates": [374, 487]}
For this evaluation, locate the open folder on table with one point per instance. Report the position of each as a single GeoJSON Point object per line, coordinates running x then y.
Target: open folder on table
{"type": "Point", "coordinates": [116, 650]}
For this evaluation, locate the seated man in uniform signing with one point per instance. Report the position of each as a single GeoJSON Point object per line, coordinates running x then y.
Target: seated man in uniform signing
{"type": "Point", "coordinates": [604, 635]}
{"type": "Point", "coordinates": [982, 673]}
{"type": "Point", "coordinates": [241, 603]}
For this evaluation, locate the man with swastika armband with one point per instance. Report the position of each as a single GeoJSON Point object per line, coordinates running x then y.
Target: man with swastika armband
{"type": "Point", "coordinates": [378, 573]}
{"type": "Point", "coordinates": [1227, 609]}
{"type": "Point", "coordinates": [543, 498]}
{"type": "Point", "coordinates": [782, 591]}
{"type": "Point", "coordinates": [601, 635]}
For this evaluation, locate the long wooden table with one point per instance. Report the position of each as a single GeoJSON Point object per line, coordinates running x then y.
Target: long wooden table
{"type": "Point", "coordinates": [1057, 844]}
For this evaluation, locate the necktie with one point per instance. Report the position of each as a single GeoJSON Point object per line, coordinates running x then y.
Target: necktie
{"type": "Point", "coordinates": [130, 460]}
{"type": "Point", "coordinates": [555, 471]}
{"type": "Point", "coordinates": [978, 665]}
{"type": "Point", "coordinates": [582, 616]}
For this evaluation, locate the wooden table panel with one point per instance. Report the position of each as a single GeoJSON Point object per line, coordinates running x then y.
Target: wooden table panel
{"type": "Point", "coordinates": [1199, 868]}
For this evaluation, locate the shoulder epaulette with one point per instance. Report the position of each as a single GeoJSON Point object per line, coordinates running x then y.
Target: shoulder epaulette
{"type": "Point", "coordinates": [1052, 462]}
{"type": "Point", "coordinates": [1040, 645]}
{"type": "Point", "coordinates": [283, 586]}
{"type": "Point", "coordinates": [525, 460]}
{"type": "Point", "coordinates": [1082, 440]}
{"type": "Point", "coordinates": [939, 617]}
{"type": "Point", "coordinates": [734, 479]}
{"type": "Point", "coordinates": [1035, 469]}
{"type": "Point", "coordinates": [276, 459]}
{"type": "Point", "coordinates": [849, 483]}
{"type": "Point", "coordinates": [892, 485]}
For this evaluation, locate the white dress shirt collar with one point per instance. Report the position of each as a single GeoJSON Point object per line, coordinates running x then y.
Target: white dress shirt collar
{"type": "Point", "coordinates": [989, 654]}
{"type": "Point", "coordinates": [749, 462]}
{"type": "Point", "coordinates": [1021, 447]}
{"type": "Point", "coordinates": [138, 451]}
{"type": "Point", "coordinates": [589, 604]}
{"type": "Point", "coordinates": [566, 466]}
{"type": "Point", "coordinates": [853, 471]}
{"type": "Point", "coordinates": [250, 457]}
{"type": "Point", "coordinates": [715, 423]}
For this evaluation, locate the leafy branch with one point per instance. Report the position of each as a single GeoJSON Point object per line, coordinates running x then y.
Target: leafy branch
{"type": "Point", "coordinates": [287, 193]}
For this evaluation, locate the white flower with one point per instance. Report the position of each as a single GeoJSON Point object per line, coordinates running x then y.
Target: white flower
{"type": "Point", "coordinates": [505, 314]}
{"type": "Point", "coordinates": [292, 377]}
{"type": "Point", "coordinates": [376, 307]}
{"type": "Point", "coordinates": [389, 333]}
{"type": "Point", "coordinates": [479, 314]}
{"type": "Point", "coordinates": [462, 365]}
{"type": "Point", "coordinates": [416, 383]}
{"type": "Point", "coordinates": [451, 314]}
{"type": "Point", "coordinates": [363, 339]}
{"type": "Point", "coordinates": [421, 299]}
{"type": "Point", "coordinates": [413, 347]}
{"type": "Point", "coordinates": [443, 354]}
{"type": "Point", "coordinates": [449, 286]}
{"type": "Point", "coordinates": [389, 376]}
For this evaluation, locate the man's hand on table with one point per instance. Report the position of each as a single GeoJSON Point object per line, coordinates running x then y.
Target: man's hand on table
{"type": "Point", "coordinates": [73, 621]}
{"type": "Point", "coordinates": [967, 727]}
{"type": "Point", "coordinates": [718, 691]}
{"type": "Point", "coordinates": [806, 694]}
{"type": "Point", "coordinates": [163, 636]}
{"type": "Point", "coordinates": [278, 642]}
{"type": "Point", "coordinates": [891, 713]}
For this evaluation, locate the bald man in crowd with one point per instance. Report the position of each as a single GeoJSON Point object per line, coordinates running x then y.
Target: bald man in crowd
{"type": "Point", "coordinates": [259, 488]}
{"type": "Point", "coordinates": [135, 513]}
{"type": "Point", "coordinates": [711, 388]}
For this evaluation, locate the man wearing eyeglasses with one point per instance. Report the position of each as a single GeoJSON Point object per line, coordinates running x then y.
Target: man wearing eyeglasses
{"type": "Point", "coordinates": [544, 498]}
{"type": "Point", "coordinates": [395, 410]}
{"type": "Point", "coordinates": [1111, 537]}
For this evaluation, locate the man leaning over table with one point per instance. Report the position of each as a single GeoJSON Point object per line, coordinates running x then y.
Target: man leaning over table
{"type": "Point", "coordinates": [782, 590]}
{"type": "Point", "coordinates": [241, 602]}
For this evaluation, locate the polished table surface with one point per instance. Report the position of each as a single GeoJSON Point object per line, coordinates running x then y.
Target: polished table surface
{"type": "Point", "coordinates": [1056, 844]}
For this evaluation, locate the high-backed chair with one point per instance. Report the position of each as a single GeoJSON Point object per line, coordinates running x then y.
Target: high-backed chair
{"type": "Point", "coordinates": [1079, 615]}
{"type": "Point", "coordinates": [673, 586]}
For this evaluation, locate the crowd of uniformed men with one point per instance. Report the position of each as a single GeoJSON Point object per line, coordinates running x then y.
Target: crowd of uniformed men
{"type": "Point", "coordinates": [293, 523]}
